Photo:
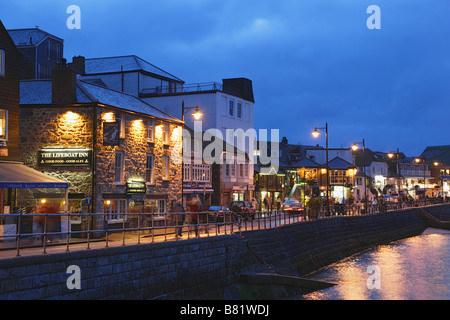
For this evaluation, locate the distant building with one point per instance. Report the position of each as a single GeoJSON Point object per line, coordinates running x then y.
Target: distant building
{"type": "Point", "coordinates": [41, 52]}
{"type": "Point", "coordinates": [438, 159]}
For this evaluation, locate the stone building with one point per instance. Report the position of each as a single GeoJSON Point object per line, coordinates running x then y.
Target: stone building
{"type": "Point", "coordinates": [109, 146]}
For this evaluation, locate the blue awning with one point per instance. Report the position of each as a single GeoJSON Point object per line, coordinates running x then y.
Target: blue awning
{"type": "Point", "coordinates": [15, 175]}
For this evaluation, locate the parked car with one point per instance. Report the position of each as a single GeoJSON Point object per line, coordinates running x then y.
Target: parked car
{"type": "Point", "coordinates": [292, 206]}
{"type": "Point", "coordinates": [388, 198]}
{"type": "Point", "coordinates": [243, 208]}
{"type": "Point", "coordinates": [221, 213]}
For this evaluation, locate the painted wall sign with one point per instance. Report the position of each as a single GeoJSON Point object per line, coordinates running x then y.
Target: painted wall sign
{"type": "Point", "coordinates": [65, 157]}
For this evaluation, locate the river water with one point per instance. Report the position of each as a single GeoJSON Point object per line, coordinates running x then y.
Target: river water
{"type": "Point", "coordinates": [409, 269]}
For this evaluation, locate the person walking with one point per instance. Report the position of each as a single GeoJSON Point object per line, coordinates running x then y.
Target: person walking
{"type": "Point", "coordinates": [178, 211]}
{"type": "Point", "coordinates": [194, 206]}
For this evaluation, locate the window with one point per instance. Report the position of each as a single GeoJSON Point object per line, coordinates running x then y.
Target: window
{"type": "Point", "coordinates": [150, 131]}
{"type": "Point", "coordinates": [187, 172]}
{"type": "Point", "coordinates": [231, 108]}
{"type": "Point", "coordinates": [149, 169]}
{"type": "Point", "coordinates": [118, 174]}
{"type": "Point", "coordinates": [241, 170]}
{"type": "Point", "coordinates": [246, 169]}
{"type": "Point", "coordinates": [2, 62]}
{"type": "Point", "coordinates": [239, 110]}
{"type": "Point", "coordinates": [165, 167]}
{"type": "Point", "coordinates": [166, 130]}
{"type": "Point", "coordinates": [233, 169]}
{"type": "Point", "coordinates": [155, 206]}
{"type": "Point", "coordinates": [227, 170]}
{"type": "Point", "coordinates": [121, 119]}
{"type": "Point", "coordinates": [114, 208]}
{"type": "Point", "coordinates": [3, 124]}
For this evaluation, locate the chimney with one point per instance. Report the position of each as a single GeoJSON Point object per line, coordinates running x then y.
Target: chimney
{"type": "Point", "coordinates": [78, 65]}
{"type": "Point", "coordinates": [64, 84]}
{"type": "Point", "coordinates": [239, 87]}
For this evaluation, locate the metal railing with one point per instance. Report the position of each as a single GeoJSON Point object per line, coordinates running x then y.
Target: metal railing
{"type": "Point", "coordinates": [84, 229]}
{"type": "Point", "coordinates": [186, 88]}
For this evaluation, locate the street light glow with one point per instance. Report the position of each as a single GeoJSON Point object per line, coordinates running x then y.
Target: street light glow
{"type": "Point", "coordinates": [315, 133]}
{"type": "Point", "coordinates": [197, 114]}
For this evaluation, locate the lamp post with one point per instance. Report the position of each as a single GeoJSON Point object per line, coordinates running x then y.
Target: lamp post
{"type": "Point", "coordinates": [197, 115]}
{"type": "Point", "coordinates": [391, 155]}
{"type": "Point", "coordinates": [418, 160]}
{"type": "Point", "coordinates": [355, 147]}
{"type": "Point", "coordinates": [315, 135]}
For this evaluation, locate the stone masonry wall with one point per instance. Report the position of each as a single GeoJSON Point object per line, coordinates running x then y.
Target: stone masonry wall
{"type": "Point", "coordinates": [206, 267]}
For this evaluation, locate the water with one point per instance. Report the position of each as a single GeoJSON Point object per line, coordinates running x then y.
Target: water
{"type": "Point", "coordinates": [410, 269]}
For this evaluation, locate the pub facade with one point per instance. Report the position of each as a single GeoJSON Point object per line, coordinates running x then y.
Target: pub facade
{"type": "Point", "coordinates": [117, 153]}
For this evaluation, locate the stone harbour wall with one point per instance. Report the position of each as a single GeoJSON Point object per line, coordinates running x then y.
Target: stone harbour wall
{"type": "Point", "coordinates": [206, 268]}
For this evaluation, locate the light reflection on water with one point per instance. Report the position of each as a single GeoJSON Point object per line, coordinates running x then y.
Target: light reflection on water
{"type": "Point", "coordinates": [410, 269]}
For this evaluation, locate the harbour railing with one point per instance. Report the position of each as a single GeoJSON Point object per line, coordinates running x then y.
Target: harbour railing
{"type": "Point", "coordinates": [41, 231]}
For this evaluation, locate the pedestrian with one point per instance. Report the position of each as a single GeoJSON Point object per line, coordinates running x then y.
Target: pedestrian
{"type": "Point", "coordinates": [266, 203]}
{"type": "Point", "coordinates": [194, 206]}
{"type": "Point", "coordinates": [278, 203]}
{"type": "Point", "coordinates": [254, 204]}
{"type": "Point", "coordinates": [178, 211]}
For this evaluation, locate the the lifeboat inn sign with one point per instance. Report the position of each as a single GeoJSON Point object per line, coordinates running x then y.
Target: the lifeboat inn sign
{"type": "Point", "coordinates": [64, 157]}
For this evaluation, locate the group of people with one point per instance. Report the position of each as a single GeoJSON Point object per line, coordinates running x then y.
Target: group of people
{"type": "Point", "coordinates": [194, 207]}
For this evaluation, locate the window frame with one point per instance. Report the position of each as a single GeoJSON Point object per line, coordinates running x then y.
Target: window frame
{"type": "Point", "coordinates": [6, 125]}
{"type": "Point", "coordinates": [165, 168]}
{"type": "Point", "coordinates": [121, 168]}
{"type": "Point", "coordinates": [149, 177]}
{"type": "Point", "coordinates": [2, 63]}
{"type": "Point", "coordinates": [150, 131]}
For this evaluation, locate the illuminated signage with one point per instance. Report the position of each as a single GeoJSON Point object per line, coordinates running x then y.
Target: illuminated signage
{"type": "Point", "coordinates": [64, 157]}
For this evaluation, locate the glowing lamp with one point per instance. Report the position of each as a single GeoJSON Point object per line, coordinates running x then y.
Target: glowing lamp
{"type": "Point", "coordinates": [315, 133]}
{"type": "Point", "coordinates": [197, 114]}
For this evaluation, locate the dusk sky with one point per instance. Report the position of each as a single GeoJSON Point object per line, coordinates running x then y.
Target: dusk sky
{"type": "Point", "coordinates": [310, 61]}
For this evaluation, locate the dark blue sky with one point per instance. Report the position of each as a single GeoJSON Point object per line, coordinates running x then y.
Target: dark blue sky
{"type": "Point", "coordinates": [311, 62]}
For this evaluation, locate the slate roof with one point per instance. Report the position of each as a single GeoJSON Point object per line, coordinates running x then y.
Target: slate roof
{"type": "Point", "coordinates": [35, 92]}
{"type": "Point", "coordinates": [339, 164]}
{"type": "Point", "coordinates": [437, 153]}
{"type": "Point", "coordinates": [23, 37]}
{"type": "Point", "coordinates": [128, 63]}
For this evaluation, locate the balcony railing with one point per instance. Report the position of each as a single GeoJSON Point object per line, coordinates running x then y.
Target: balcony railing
{"type": "Point", "coordinates": [180, 89]}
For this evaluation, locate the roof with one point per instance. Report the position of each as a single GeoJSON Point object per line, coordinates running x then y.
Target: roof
{"type": "Point", "coordinates": [35, 92]}
{"type": "Point", "coordinates": [18, 176]}
{"type": "Point", "coordinates": [28, 37]}
{"type": "Point", "coordinates": [305, 163]}
{"type": "Point", "coordinates": [437, 153]}
{"type": "Point", "coordinates": [125, 64]}
{"type": "Point", "coordinates": [339, 164]}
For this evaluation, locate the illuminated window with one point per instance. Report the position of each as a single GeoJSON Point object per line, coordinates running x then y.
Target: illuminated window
{"type": "Point", "coordinates": [3, 124]}
{"type": "Point", "coordinates": [149, 169]}
{"type": "Point", "coordinates": [118, 174]}
{"type": "Point", "coordinates": [2, 62]}
{"type": "Point", "coordinates": [114, 208]}
{"type": "Point", "coordinates": [166, 133]}
{"type": "Point", "coordinates": [165, 167]}
{"type": "Point", "coordinates": [150, 131]}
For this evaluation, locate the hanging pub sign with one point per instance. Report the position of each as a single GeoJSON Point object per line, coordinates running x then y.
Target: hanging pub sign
{"type": "Point", "coordinates": [64, 157]}
{"type": "Point", "coordinates": [111, 133]}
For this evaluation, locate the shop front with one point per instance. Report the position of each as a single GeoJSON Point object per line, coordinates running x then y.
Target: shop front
{"type": "Point", "coordinates": [24, 190]}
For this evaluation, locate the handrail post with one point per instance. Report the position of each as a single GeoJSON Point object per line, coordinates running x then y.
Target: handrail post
{"type": "Point", "coordinates": [45, 235]}
{"type": "Point", "coordinates": [68, 232]}
{"type": "Point", "coordinates": [18, 234]}
{"type": "Point", "coordinates": [89, 231]}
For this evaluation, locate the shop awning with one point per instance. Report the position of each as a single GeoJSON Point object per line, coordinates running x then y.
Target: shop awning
{"type": "Point", "coordinates": [15, 175]}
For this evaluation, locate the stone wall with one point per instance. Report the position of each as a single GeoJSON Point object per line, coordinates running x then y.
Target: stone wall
{"type": "Point", "coordinates": [206, 267]}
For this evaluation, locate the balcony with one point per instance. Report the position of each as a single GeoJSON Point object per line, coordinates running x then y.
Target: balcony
{"type": "Point", "coordinates": [181, 89]}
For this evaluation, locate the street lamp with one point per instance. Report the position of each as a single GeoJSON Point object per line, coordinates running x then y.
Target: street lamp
{"type": "Point", "coordinates": [315, 134]}
{"type": "Point", "coordinates": [418, 160]}
{"type": "Point", "coordinates": [197, 115]}
{"type": "Point", "coordinates": [354, 148]}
